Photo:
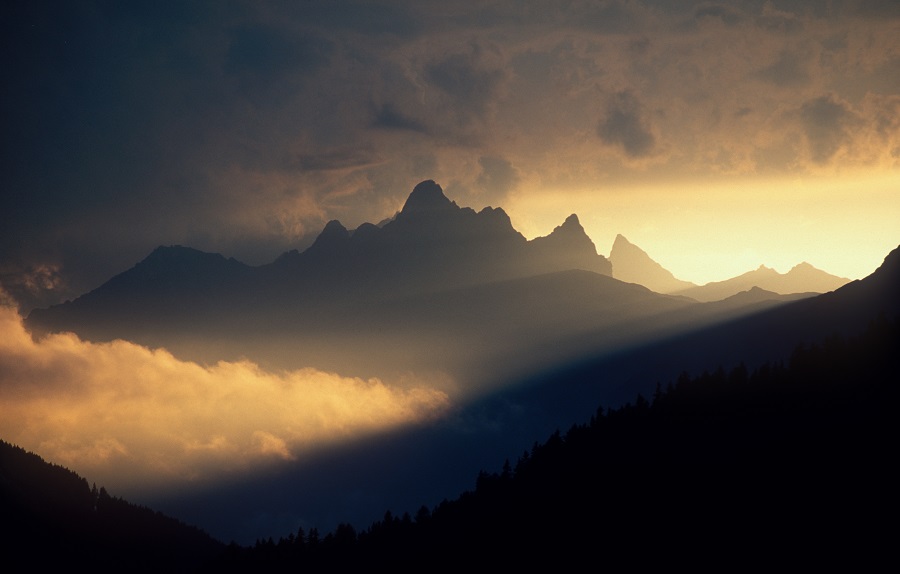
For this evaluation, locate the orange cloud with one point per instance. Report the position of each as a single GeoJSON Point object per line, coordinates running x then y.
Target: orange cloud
{"type": "Point", "coordinates": [130, 417]}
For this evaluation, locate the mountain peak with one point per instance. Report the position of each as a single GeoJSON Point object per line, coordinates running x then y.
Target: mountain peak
{"type": "Point", "coordinates": [632, 265]}
{"type": "Point", "coordinates": [802, 265]}
{"type": "Point", "coordinates": [333, 234]}
{"type": "Point", "coordinates": [621, 241]}
{"type": "Point", "coordinates": [178, 255]}
{"type": "Point", "coordinates": [622, 247]}
{"type": "Point", "coordinates": [172, 251]}
{"type": "Point", "coordinates": [569, 247]}
{"type": "Point", "coordinates": [571, 228]}
{"type": "Point", "coordinates": [427, 197]}
{"type": "Point", "coordinates": [572, 221]}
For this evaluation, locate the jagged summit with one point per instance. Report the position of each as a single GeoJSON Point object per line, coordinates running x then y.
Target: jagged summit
{"type": "Point", "coordinates": [569, 247]}
{"type": "Point", "coordinates": [572, 222]}
{"type": "Point", "coordinates": [333, 234]}
{"type": "Point", "coordinates": [571, 228]}
{"type": "Point", "coordinates": [427, 197]}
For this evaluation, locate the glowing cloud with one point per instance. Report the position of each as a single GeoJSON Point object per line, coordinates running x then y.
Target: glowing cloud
{"type": "Point", "coordinates": [127, 416]}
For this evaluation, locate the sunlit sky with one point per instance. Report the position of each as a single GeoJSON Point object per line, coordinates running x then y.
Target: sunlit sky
{"type": "Point", "coordinates": [715, 136]}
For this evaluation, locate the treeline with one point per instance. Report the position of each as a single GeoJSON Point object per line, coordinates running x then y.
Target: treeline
{"type": "Point", "coordinates": [53, 519]}
{"type": "Point", "coordinates": [791, 463]}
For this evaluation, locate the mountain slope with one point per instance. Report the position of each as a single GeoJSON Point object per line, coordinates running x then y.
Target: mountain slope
{"type": "Point", "coordinates": [632, 264]}
{"type": "Point", "coordinates": [53, 519]}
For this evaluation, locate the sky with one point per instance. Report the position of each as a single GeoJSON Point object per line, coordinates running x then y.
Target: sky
{"type": "Point", "coordinates": [715, 136]}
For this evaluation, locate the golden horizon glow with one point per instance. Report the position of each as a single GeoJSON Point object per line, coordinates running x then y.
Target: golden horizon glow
{"type": "Point", "coordinates": [717, 230]}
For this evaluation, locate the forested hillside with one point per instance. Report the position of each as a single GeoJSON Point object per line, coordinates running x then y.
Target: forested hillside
{"type": "Point", "coordinates": [790, 462]}
{"type": "Point", "coordinates": [52, 518]}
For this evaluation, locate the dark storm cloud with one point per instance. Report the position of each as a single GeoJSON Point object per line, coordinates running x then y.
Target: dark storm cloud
{"type": "Point", "coordinates": [497, 179]}
{"type": "Point", "coordinates": [84, 116]}
{"type": "Point", "coordinates": [388, 116]}
{"type": "Point", "coordinates": [329, 159]}
{"type": "Point", "coordinates": [826, 122]}
{"type": "Point", "coordinates": [791, 69]}
{"type": "Point", "coordinates": [729, 15]}
{"type": "Point", "coordinates": [780, 21]}
{"type": "Point", "coordinates": [269, 62]}
{"type": "Point", "coordinates": [878, 8]}
{"type": "Point", "coordinates": [623, 125]}
{"type": "Point", "coordinates": [266, 53]}
{"type": "Point", "coordinates": [471, 86]}
{"type": "Point", "coordinates": [364, 16]}
{"type": "Point", "coordinates": [611, 16]}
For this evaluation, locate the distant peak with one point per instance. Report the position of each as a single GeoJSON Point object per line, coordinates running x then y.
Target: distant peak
{"type": "Point", "coordinates": [170, 252]}
{"type": "Point", "coordinates": [427, 196]}
{"type": "Point", "coordinates": [333, 233]}
{"type": "Point", "coordinates": [623, 247]}
{"type": "Point", "coordinates": [621, 242]}
{"type": "Point", "coordinates": [571, 226]}
{"type": "Point", "coordinates": [167, 249]}
{"type": "Point", "coordinates": [803, 266]}
{"type": "Point", "coordinates": [334, 226]}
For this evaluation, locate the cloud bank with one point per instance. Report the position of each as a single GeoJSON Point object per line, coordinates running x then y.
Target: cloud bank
{"type": "Point", "coordinates": [129, 417]}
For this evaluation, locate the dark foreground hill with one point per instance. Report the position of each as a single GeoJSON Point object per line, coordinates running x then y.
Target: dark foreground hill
{"type": "Point", "coordinates": [791, 463]}
{"type": "Point", "coordinates": [52, 520]}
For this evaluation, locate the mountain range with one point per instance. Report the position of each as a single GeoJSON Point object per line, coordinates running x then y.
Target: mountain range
{"type": "Point", "coordinates": [632, 264]}
{"type": "Point", "coordinates": [379, 299]}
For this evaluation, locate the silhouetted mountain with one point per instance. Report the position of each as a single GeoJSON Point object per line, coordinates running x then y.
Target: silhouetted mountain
{"type": "Point", "coordinates": [802, 278]}
{"type": "Point", "coordinates": [431, 244]}
{"type": "Point", "coordinates": [53, 519]}
{"type": "Point", "coordinates": [632, 264]}
{"type": "Point", "coordinates": [184, 299]}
